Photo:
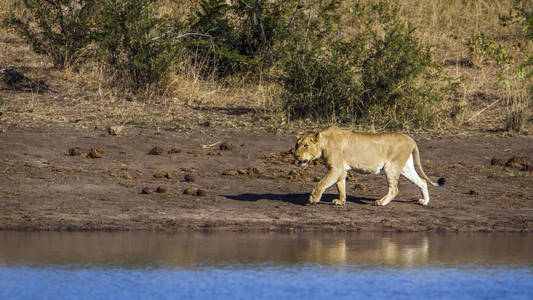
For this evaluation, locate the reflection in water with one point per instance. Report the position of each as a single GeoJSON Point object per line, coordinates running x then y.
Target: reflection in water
{"type": "Point", "coordinates": [265, 266]}
{"type": "Point", "coordinates": [141, 249]}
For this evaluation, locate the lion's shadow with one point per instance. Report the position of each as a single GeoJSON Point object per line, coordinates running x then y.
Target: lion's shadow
{"type": "Point", "coordinates": [298, 199]}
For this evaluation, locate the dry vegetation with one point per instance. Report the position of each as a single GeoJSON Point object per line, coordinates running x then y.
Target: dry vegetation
{"type": "Point", "coordinates": [483, 103]}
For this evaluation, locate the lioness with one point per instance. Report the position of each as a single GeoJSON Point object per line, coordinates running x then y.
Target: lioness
{"type": "Point", "coordinates": [343, 150]}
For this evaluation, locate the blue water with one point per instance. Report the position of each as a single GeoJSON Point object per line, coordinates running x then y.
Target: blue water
{"type": "Point", "coordinates": [156, 270]}
{"type": "Point", "coordinates": [251, 282]}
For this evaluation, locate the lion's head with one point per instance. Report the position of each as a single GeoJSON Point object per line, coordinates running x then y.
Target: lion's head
{"type": "Point", "coordinates": [307, 148]}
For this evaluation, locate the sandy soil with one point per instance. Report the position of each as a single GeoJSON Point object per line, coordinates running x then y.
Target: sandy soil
{"type": "Point", "coordinates": [253, 186]}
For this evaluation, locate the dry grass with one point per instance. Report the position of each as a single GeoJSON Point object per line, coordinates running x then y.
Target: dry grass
{"type": "Point", "coordinates": [80, 99]}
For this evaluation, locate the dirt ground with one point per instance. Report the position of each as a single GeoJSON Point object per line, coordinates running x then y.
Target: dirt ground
{"type": "Point", "coordinates": [253, 186]}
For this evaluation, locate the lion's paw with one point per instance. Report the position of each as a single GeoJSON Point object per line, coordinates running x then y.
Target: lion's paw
{"type": "Point", "coordinates": [423, 202]}
{"type": "Point", "coordinates": [338, 202]}
{"type": "Point", "coordinates": [381, 202]}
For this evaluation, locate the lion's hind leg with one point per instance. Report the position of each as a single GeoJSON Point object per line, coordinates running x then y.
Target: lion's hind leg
{"type": "Point", "coordinates": [392, 173]}
{"type": "Point", "coordinates": [410, 173]}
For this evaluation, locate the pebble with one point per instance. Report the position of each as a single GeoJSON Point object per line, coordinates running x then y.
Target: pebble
{"type": "Point", "coordinates": [156, 151]}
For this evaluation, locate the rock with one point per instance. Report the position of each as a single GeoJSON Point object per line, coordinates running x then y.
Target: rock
{"type": "Point", "coordinates": [96, 153]}
{"type": "Point", "coordinates": [226, 146]}
{"type": "Point", "coordinates": [201, 193]}
{"type": "Point", "coordinates": [13, 79]}
{"type": "Point", "coordinates": [170, 175]}
{"type": "Point", "coordinates": [114, 130]}
{"type": "Point", "coordinates": [230, 172]}
{"type": "Point", "coordinates": [190, 178]}
{"type": "Point", "coordinates": [518, 162]}
{"type": "Point", "coordinates": [498, 161]}
{"type": "Point", "coordinates": [156, 151]}
{"type": "Point", "coordinates": [356, 186]}
{"type": "Point", "coordinates": [255, 171]}
{"type": "Point", "coordinates": [174, 151]}
{"type": "Point", "coordinates": [75, 151]}
{"type": "Point", "coordinates": [147, 190]}
{"type": "Point", "coordinates": [162, 189]}
{"type": "Point", "coordinates": [126, 175]}
{"type": "Point", "coordinates": [472, 192]}
{"type": "Point", "coordinates": [159, 174]}
{"type": "Point", "coordinates": [189, 191]}
{"type": "Point", "coordinates": [294, 175]}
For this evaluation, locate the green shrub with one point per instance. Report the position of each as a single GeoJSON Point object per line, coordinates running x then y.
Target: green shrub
{"type": "Point", "coordinates": [237, 38]}
{"type": "Point", "coordinates": [136, 45]}
{"type": "Point", "coordinates": [318, 67]}
{"type": "Point", "coordinates": [59, 29]}
{"type": "Point", "coordinates": [380, 75]}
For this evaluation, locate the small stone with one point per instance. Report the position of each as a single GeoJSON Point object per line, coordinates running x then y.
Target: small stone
{"type": "Point", "coordinates": [126, 175]}
{"type": "Point", "coordinates": [230, 173]}
{"type": "Point", "coordinates": [147, 190]}
{"type": "Point", "coordinates": [159, 174]}
{"type": "Point", "coordinates": [211, 153]}
{"type": "Point", "coordinates": [189, 191]}
{"type": "Point", "coordinates": [255, 171]}
{"type": "Point", "coordinates": [74, 151]}
{"type": "Point", "coordinates": [96, 153]}
{"type": "Point", "coordinates": [156, 151]}
{"type": "Point", "coordinates": [174, 151]}
{"type": "Point", "coordinates": [518, 162]}
{"type": "Point", "coordinates": [472, 192]}
{"type": "Point", "coordinates": [242, 171]}
{"type": "Point", "coordinates": [189, 170]}
{"type": "Point", "coordinates": [201, 193]}
{"type": "Point", "coordinates": [498, 161]}
{"type": "Point", "coordinates": [317, 179]}
{"type": "Point", "coordinates": [162, 189]}
{"type": "Point", "coordinates": [226, 146]}
{"type": "Point", "coordinates": [170, 175]}
{"type": "Point", "coordinates": [190, 178]}
{"type": "Point", "coordinates": [114, 130]}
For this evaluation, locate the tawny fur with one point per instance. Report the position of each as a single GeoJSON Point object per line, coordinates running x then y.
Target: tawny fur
{"type": "Point", "coordinates": [395, 153]}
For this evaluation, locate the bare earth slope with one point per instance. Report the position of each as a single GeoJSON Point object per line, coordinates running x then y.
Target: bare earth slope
{"type": "Point", "coordinates": [254, 186]}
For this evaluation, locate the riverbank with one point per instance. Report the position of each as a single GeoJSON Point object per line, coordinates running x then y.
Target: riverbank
{"type": "Point", "coordinates": [250, 185]}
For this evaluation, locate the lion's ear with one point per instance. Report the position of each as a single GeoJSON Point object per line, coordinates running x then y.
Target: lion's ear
{"type": "Point", "coordinates": [315, 137]}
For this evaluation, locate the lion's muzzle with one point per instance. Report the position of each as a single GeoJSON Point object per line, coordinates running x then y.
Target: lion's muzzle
{"type": "Point", "coordinates": [303, 163]}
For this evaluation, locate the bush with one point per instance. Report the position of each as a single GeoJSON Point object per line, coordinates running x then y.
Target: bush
{"type": "Point", "coordinates": [380, 75]}
{"type": "Point", "coordinates": [59, 29]}
{"type": "Point", "coordinates": [318, 67]}
{"type": "Point", "coordinates": [517, 81]}
{"type": "Point", "coordinates": [136, 46]}
{"type": "Point", "coordinates": [237, 38]}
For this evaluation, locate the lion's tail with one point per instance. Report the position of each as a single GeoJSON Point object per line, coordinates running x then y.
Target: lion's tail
{"type": "Point", "coordinates": [418, 166]}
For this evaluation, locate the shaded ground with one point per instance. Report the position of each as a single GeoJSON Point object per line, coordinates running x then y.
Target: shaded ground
{"type": "Point", "coordinates": [254, 186]}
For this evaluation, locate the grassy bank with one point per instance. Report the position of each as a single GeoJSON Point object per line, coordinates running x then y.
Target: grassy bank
{"type": "Point", "coordinates": [472, 43]}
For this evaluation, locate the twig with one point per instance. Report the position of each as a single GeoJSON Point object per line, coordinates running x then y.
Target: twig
{"type": "Point", "coordinates": [209, 146]}
{"type": "Point", "coordinates": [481, 111]}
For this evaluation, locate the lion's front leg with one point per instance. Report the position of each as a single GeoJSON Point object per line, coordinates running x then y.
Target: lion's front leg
{"type": "Point", "coordinates": [341, 187]}
{"type": "Point", "coordinates": [323, 184]}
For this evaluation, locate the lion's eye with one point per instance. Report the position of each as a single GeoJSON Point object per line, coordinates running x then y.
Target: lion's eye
{"type": "Point", "coordinates": [305, 146]}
